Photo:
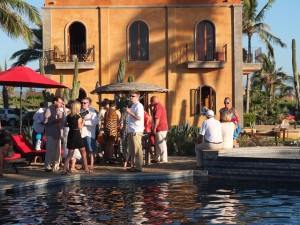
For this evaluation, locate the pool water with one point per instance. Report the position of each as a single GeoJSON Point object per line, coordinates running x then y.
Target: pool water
{"type": "Point", "coordinates": [212, 201]}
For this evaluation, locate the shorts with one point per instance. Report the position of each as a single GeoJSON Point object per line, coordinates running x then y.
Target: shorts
{"type": "Point", "coordinates": [90, 144]}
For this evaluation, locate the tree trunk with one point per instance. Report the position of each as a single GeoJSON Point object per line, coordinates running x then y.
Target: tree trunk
{"type": "Point", "coordinates": [248, 87]}
{"type": "Point", "coordinates": [5, 97]}
{"type": "Point", "coordinates": [248, 93]}
{"type": "Point", "coordinates": [296, 76]}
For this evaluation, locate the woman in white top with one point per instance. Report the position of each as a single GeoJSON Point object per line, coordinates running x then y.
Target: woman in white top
{"type": "Point", "coordinates": [227, 129]}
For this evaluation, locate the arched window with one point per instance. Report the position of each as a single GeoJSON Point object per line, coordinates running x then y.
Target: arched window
{"type": "Point", "coordinates": [138, 41]}
{"type": "Point", "coordinates": [202, 98]}
{"type": "Point", "coordinates": [205, 41]}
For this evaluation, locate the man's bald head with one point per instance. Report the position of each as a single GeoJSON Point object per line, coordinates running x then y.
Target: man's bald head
{"type": "Point", "coordinates": [154, 100]}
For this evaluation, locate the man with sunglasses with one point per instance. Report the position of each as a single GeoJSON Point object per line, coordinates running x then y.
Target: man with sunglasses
{"type": "Point", "coordinates": [135, 130]}
{"type": "Point", "coordinates": [88, 132]}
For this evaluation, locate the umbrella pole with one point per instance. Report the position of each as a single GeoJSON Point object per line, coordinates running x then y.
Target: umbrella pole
{"type": "Point", "coordinates": [20, 132]}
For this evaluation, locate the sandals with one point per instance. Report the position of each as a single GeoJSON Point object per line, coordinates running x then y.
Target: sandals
{"type": "Point", "coordinates": [73, 170]}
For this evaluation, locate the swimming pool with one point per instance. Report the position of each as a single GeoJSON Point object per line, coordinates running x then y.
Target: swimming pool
{"type": "Point", "coordinates": [187, 201]}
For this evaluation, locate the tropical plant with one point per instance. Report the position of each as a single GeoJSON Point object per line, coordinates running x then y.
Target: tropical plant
{"type": "Point", "coordinates": [249, 119]}
{"type": "Point", "coordinates": [33, 52]}
{"type": "Point", "coordinates": [73, 93]}
{"type": "Point", "coordinates": [121, 71]}
{"type": "Point", "coordinates": [268, 87]}
{"type": "Point", "coordinates": [6, 91]}
{"type": "Point", "coordinates": [274, 81]}
{"type": "Point", "coordinates": [181, 139]}
{"type": "Point", "coordinates": [13, 14]}
{"type": "Point", "coordinates": [47, 95]}
{"type": "Point", "coordinates": [253, 24]}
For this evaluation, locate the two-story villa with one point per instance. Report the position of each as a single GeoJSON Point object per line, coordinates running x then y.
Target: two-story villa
{"type": "Point", "coordinates": [191, 47]}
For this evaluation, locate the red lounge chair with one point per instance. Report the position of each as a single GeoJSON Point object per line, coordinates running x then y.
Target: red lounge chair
{"type": "Point", "coordinates": [16, 160]}
{"type": "Point", "coordinates": [23, 146]}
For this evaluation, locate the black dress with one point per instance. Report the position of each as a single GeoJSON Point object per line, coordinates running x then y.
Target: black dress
{"type": "Point", "coordinates": [74, 135]}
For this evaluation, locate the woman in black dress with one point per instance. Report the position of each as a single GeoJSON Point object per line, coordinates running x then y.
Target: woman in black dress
{"type": "Point", "coordinates": [74, 141]}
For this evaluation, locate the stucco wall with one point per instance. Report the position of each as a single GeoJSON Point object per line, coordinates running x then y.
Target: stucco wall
{"type": "Point", "coordinates": [170, 29]}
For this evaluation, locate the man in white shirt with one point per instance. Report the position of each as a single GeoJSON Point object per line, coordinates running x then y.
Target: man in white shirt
{"type": "Point", "coordinates": [135, 130]}
{"type": "Point", "coordinates": [209, 138]}
{"type": "Point", "coordinates": [88, 132]}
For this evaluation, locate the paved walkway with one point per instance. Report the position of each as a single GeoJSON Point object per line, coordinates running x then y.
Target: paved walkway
{"type": "Point", "coordinates": [34, 175]}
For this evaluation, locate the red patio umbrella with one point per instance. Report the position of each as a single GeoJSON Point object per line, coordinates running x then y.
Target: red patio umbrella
{"type": "Point", "coordinates": [22, 76]}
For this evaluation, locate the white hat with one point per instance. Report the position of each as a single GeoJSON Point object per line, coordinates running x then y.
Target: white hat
{"type": "Point", "coordinates": [210, 113]}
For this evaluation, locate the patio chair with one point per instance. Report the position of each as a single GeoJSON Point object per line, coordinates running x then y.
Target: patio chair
{"type": "Point", "coordinates": [86, 56]}
{"type": "Point", "coordinates": [15, 161]}
{"type": "Point", "coordinates": [59, 55]}
{"type": "Point", "coordinates": [23, 146]}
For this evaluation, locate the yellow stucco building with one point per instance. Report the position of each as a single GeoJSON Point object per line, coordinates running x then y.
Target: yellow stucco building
{"type": "Point", "coordinates": [191, 47]}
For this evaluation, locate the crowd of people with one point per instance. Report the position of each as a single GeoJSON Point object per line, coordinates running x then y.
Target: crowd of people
{"type": "Point", "coordinates": [114, 135]}
{"type": "Point", "coordinates": [113, 132]}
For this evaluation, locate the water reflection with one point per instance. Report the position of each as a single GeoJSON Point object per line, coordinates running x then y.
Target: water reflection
{"type": "Point", "coordinates": [181, 202]}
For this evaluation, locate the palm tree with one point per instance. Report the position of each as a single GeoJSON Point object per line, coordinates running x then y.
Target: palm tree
{"type": "Point", "coordinates": [272, 78]}
{"type": "Point", "coordinates": [268, 87]}
{"type": "Point", "coordinates": [6, 91]}
{"type": "Point", "coordinates": [33, 52]}
{"type": "Point", "coordinates": [13, 14]}
{"type": "Point", "coordinates": [253, 24]}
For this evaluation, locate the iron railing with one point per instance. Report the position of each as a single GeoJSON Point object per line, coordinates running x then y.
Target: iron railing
{"type": "Point", "coordinates": [253, 57]}
{"type": "Point", "coordinates": [69, 53]}
{"type": "Point", "coordinates": [194, 53]}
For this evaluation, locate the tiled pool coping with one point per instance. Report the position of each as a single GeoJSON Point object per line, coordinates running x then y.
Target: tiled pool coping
{"type": "Point", "coordinates": [281, 163]}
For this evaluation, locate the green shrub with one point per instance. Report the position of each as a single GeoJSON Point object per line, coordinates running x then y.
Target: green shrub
{"type": "Point", "coordinates": [181, 139]}
{"type": "Point", "coordinates": [255, 140]}
{"type": "Point", "coordinates": [249, 119]}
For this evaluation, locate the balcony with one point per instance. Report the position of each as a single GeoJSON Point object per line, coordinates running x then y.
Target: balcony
{"type": "Point", "coordinates": [199, 57]}
{"type": "Point", "coordinates": [62, 57]}
{"type": "Point", "coordinates": [251, 62]}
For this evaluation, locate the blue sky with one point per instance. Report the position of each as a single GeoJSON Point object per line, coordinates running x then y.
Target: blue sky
{"type": "Point", "coordinates": [283, 18]}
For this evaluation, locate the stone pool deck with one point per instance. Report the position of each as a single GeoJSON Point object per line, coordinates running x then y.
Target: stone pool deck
{"type": "Point", "coordinates": [276, 162]}
{"type": "Point", "coordinates": [34, 175]}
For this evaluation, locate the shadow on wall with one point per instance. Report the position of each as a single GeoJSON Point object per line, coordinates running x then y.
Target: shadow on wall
{"type": "Point", "coordinates": [183, 112]}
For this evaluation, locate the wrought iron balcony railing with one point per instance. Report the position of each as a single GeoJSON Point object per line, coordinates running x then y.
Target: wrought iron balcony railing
{"type": "Point", "coordinates": [69, 53]}
{"type": "Point", "coordinates": [205, 57]}
{"type": "Point", "coordinates": [248, 57]}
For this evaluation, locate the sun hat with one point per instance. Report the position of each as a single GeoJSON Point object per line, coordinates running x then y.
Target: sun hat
{"type": "Point", "coordinates": [210, 113]}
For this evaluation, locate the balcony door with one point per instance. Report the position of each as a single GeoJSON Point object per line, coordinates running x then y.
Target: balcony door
{"type": "Point", "coordinates": [205, 41]}
{"type": "Point", "coordinates": [77, 39]}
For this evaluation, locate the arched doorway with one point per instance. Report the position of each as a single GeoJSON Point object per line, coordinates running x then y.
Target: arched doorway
{"type": "Point", "coordinates": [77, 38]}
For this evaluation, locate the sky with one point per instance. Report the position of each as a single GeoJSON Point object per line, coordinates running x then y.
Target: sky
{"type": "Point", "coordinates": [283, 19]}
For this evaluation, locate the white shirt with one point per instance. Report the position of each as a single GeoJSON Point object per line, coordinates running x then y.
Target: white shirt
{"type": "Point", "coordinates": [227, 133]}
{"type": "Point", "coordinates": [90, 123]}
{"type": "Point", "coordinates": [211, 130]}
{"type": "Point", "coordinates": [135, 125]}
{"type": "Point", "coordinates": [38, 121]}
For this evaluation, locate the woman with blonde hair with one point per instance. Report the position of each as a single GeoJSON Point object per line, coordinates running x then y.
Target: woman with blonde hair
{"type": "Point", "coordinates": [227, 129]}
{"type": "Point", "coordinates": [74, 139]}
{"type": "Point", "coordinates": [234, 118]}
